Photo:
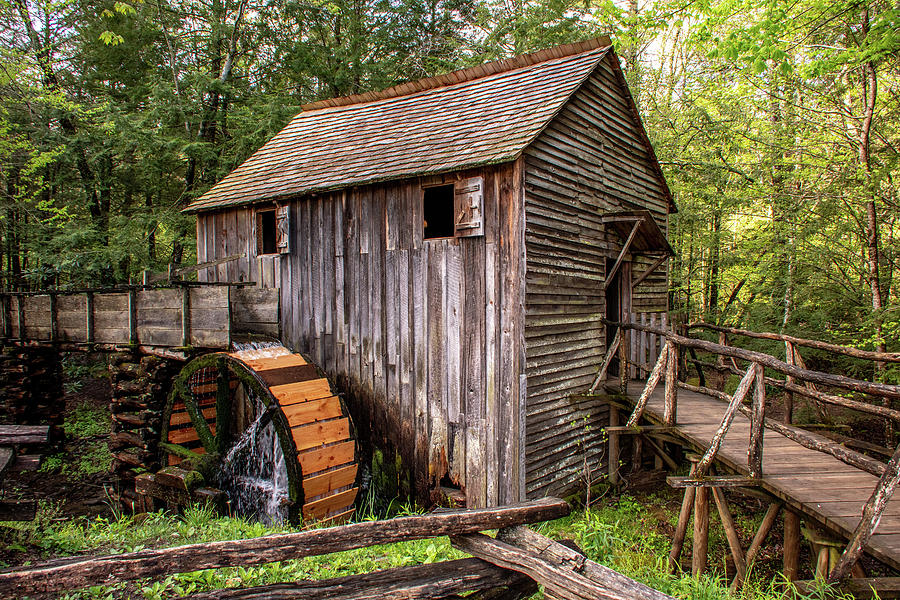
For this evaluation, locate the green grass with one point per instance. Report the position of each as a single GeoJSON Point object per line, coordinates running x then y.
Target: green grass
{"type": "Point", "coordinates": [87, 429]}
{"type": "Point", "coordinates": [620, 533]}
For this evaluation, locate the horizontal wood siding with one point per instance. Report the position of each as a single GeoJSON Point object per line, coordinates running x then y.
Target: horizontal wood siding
{"type": "Point", "coordinates": [589, 161]}
{"type": "Point", "coordinates": [425, 337]}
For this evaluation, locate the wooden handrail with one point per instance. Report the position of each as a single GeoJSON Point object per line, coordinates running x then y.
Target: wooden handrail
{"type": "Point", "coordinates": [818, 345]}
{"type": "Point", "coordinates": [880, 389]}
{"type": "Point", "coordinates": [864, 407]}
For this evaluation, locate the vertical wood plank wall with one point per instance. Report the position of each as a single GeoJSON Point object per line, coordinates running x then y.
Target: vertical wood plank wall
{"type": "Point", "coordinates": [589, 160]}
{"type": "Point", "coordinates": [426, 336]}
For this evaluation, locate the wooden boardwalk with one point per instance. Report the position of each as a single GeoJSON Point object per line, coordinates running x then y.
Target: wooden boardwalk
{"type": "Point", "coordinates": [816, 484]}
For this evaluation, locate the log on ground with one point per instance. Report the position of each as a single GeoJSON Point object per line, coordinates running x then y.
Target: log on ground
{"type": "Point", "coordinates": [438, 580]}
{"type": "Point", "coordinates": [75, 573]}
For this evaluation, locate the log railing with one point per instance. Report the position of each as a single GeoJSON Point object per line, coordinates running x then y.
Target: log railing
{"type": "Point", "coordinates": [793, 371]}
{"type": "Point", "coordinates": [517, 559]}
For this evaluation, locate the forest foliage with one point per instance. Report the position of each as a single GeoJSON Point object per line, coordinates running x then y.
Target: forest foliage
{"type": "Point", "coordinates": [775, 122]}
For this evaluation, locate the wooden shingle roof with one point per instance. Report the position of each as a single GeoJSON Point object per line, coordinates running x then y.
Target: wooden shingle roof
{"type": "Point", "coordinates": [484, 115]}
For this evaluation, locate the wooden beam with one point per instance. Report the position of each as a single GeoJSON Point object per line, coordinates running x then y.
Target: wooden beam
{"type": "Point", "coordinates": [437, 580]}
{"type": "Point", "coordinates": [757, 423]}
{"type": "Point", "coordinates": [731, 534]}
{"type": "Point", "coordinates": [562, 579]}
{"type": "Point", "coordinates": [700, 546]}
{"type": "Point", "coordinates": [15, 435]}
{"type": "Point", "coordinates": [556, 553]}
{"type": "Point", "coordinates": [670, 412]}
{"type": "Point", "coordinates": [652, 381]}
{"type": "Point", "coordinates": [649, 270]}
{"type": "Point", "coordinates": [712, 481]}
{"type": "Point", "coordinates": [871, 516]}
{"type": "Point", "coordinates": [641, 429]}
{"type": "Point", "coordinates": [804, 438]}
{"type": "Point", "coordinates": [604, 366]}
{"type": "Point", "coordinates": [624, 251]}
{"type": "Point", "coordinates": [770, 362]}
{"type": "Point", "coordinates": [791, 558]}
{"type": "Point", "coordinates": [89, 317]}
{"type": "Point", "coordinates": [819, 345]}
{"type": "Point", "coordinates": [739, 394]}
{"type": "Point", "coordinates": [82, 572]}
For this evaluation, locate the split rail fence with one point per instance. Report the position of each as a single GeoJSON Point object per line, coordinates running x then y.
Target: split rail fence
{"type": "Point", "coordinates": [797, 380]}
{"type": "Point", "coordinates": [506, 567]}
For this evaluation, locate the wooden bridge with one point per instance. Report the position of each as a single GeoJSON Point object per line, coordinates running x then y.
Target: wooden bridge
{"type": "Point", "coordinates": [839, 490]}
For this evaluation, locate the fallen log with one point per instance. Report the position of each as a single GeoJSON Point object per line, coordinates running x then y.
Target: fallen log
{"type": "Point", "coordinates": [15, 435]}
{"type": "Point", "coordinates": [75, 573]}
{"type": "Point", "coordinates": [438, 580]}
{"type": "Point", "coordinates": [557, 553]}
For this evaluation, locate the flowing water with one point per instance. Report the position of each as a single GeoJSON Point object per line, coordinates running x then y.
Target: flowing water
{"type": "Point", "coordinates": [253, 472]}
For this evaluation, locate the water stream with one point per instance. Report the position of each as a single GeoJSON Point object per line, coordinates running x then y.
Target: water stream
{"type": "Point", "coordinates": [253, 472]}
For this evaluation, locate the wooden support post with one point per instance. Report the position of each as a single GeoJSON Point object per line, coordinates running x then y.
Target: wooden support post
{"type": "Point", "coordinates": [624, 345]}
{"type": "Point", "coordinates": [684, 518]}
{"type": "Point", "coordinates": [731, 534]}
{"type": "Point", "coordinates": [871, 516]}
{"type": "Point", "coordinates": [145, 277]}
{"type": "Point", "coordinates": [757, 423]}
{"type": "Point", "coordinates": [648, 389]}
{"type": "Point", "coordinates": [671, 408]}
{"type": "Point", "coordinates": [54, 318]}
{"type": "Point", "coordinates": [637, 453]}
{"type": "Point", "coordinates": [185, 316]}
{"type": "Point", "coordinates": [701, 532]}
{"type": "Point", "coordinates": [739, 394]}
{"type": "Point", "coordinates": [20, 315]}
{"type": "Point", "coordinates": [89, 317]}
{"type": "Point", "coordinates": [791, 565]}
{"type": "Point", "coordinates": [756, 544]}
{"type": "Point", "coordinates": [613, 456]}
{"type": "Point", "coordinates": [132, 317]}
{"type": "Point", "coordinates": [604, 367]}
{"type": "Point", "coordinates": [5, 316]}
{"type": "Point", "coordinates": [788, 395]}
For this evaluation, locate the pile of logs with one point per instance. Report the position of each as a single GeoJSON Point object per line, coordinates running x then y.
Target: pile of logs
{"type": "Point", "coordinates": [507, 567]}
{"type": "Point", "coordinates": [139, 388]}
{"type": "Point", "coordinates": [31, 380]}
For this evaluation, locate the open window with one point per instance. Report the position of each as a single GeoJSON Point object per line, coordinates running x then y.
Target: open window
{"type": "Point", "coordinates": [453, 210]}
{"type": "Point", "coordinates": [273, 230]}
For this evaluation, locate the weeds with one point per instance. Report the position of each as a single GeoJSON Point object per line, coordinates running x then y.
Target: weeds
{"type": "Point", "coordinates": [618, 533]}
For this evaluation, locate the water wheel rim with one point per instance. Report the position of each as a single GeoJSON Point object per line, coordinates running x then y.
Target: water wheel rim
{"type": "Point", "coordinates": [214, 442]}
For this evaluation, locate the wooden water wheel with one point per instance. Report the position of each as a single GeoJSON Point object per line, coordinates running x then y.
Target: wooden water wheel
{"type": "Point", "coordinates": [217, 397]}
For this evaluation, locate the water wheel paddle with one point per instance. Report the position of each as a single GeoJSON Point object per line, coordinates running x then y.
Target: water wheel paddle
{"type": "Point", "coordinates": [281, 442]}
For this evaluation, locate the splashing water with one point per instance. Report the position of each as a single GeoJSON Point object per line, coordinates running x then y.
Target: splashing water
{"type": "Point", "coordinates": [254, 474]}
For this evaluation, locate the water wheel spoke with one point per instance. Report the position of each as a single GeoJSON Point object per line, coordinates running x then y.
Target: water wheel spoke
{"type": "Point", "coordinates": [223, 406]}
{"type": "Point", "coordinates": [201, 426]}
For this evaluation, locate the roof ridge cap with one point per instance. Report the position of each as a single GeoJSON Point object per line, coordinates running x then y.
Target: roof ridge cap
{"type": "Point", "coordinates": [463, 75]}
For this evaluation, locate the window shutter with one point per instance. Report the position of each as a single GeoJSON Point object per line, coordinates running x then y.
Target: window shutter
{"type": "Point", "coordinates": [468, 202]}
{"type": "Point", "coordinates": [283, 228]}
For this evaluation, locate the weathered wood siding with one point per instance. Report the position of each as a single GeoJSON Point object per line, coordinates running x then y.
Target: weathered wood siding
{"type": "Point", "coordinates": [425, 336]}
{"type": "Point", "coordinates": [590, 160]}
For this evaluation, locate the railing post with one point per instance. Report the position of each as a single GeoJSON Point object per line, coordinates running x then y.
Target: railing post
{"type": "Point", "coordinates": [624, 351]}
{"type": "Point", "coordinates": [757, 423]}
{"type": "Point", "coordinates": [671, 382]}
{"type": "Point", "coordinates": [788, 395]}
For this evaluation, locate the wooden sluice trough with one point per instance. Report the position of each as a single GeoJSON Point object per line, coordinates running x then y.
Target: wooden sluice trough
{"type": "Point", "coordinates": [215, 396]}
{"type": "Point", "coordinates": [183, 315]}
